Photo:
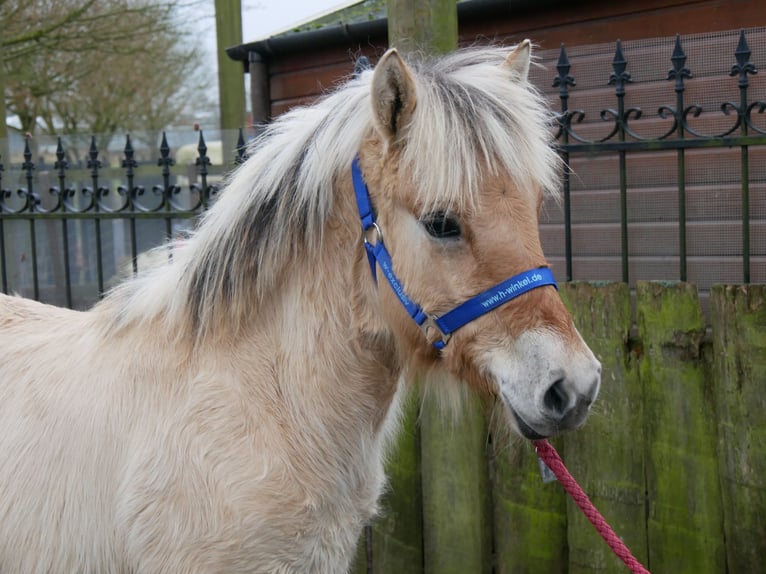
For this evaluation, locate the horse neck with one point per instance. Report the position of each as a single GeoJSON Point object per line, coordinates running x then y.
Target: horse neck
{"type": "Point", "coordinates": [323, 322]}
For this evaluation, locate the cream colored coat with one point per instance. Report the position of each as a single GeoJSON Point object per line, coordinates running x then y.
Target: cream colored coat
{"type": "Point", "coordinates": [230, 410]}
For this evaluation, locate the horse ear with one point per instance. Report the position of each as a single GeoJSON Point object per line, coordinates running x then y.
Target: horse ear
{"type": "Point", "coordinates": [518, 60]}
{"type": "Point", "coordinates": [393, 94]}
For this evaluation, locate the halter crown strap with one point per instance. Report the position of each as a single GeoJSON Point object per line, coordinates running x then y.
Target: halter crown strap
{"type": "Point", "coordinates": [449, 322]}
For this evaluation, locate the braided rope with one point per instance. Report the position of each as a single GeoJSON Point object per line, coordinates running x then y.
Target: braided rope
{"type": "Point", "coordinates": [551, 458]}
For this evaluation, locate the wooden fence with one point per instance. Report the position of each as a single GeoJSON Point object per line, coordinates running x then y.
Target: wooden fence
{"type": "Point", "coordinates": [674, 454]}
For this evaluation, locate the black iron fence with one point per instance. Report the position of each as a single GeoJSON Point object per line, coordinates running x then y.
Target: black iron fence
{"type": "Point", "coordinates": [80, 219]}
{"type": "Point", "coordinates": [679, 194]}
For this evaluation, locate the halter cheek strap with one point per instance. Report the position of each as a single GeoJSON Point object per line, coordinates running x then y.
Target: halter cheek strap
{"type": "Point", "coordinates": [436, 329]}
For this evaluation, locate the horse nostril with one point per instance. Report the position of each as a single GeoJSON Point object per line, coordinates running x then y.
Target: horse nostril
{"type": "Point", "coordinates": [556, 400]}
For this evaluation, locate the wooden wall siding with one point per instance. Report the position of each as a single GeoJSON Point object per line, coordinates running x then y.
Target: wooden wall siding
{"type": "Point", "coordinates": [596, 21]}
{"type": "Point", "coordinates": [651, 202]}
{"type": "Point", "coordinates": [673, 454]}
{"type": "Point", "coordinates": [708, 239]}
{"type": "Point", "coordinates": [298, 78]}
{"type": "Point", "coordinates": [713, 179]}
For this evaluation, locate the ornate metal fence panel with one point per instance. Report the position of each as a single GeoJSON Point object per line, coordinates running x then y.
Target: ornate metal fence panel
{"type": "Point", "coordinates": [63, 216]}
{"type": "Point", "coordinates": [660, 195]}
{"type": "Point", "coordinates": [664, 142]}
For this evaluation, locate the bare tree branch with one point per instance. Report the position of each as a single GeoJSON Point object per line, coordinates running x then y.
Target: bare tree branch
{"type": "Point", "coordinates": [96, 65]}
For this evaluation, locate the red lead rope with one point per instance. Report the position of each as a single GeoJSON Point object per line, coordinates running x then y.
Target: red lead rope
{"type": "Point", "coordinates": [553, 461]}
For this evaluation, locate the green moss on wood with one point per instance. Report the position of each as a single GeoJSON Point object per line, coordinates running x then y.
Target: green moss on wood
{"type": "Point", "coordinates": [684, 514]}
{"type": "Point", "coordinates": [454, 469]}
{"type": "Point", "coordinates": [606, 456]}
{"type": "Point", "coordinates": [530, 523]}
{"type": "Point", "coordinates": [685, 424]}
{"type": "Point", "coordinates": [738, 318]}
{"type": "Point", "coordinates": [397, 534]}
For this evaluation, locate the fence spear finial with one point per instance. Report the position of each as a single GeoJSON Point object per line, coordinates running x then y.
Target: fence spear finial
{"type": "Point", "coordinates": [744, 66]}
{"type": "Point", "coordinates": [620, 76]}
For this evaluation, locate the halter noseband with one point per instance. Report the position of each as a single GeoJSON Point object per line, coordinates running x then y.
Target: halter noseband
{"type": "Point", "coordinates": [437, 329]}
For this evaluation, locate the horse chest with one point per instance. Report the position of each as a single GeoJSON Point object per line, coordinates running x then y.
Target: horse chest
{"type": "Point", "coordinates": [256, 502]}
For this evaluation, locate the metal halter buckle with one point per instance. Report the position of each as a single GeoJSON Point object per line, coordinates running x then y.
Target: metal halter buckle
{"type": "Point", "coordinates": [434, 335]}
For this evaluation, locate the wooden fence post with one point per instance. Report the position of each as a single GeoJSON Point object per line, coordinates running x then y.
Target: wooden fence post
{"type": "Point", "coordinates": [422, 25]}
{"type": "Point", "coordinates": [453, 456]}
{"type": "Point", "coordinates": [738, 319]}
{"type": "Point", "coordinates": [456, 527]}
{"type": "Point", "coordinates": [231, 82]}
{"type": "Point", "coordinates": [684, 527]}
{"type": "Point", "coordinates": [606, 455]}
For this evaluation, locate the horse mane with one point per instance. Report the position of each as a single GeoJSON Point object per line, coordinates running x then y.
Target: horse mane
{"type": "Point", "coordinates": [473, 116]}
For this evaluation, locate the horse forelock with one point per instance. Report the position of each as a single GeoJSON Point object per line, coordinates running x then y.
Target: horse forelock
{"type": "Point", "coordinates": [472, 118]}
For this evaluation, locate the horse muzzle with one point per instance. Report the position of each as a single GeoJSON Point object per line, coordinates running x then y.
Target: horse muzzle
{"type": "Point", "coordinates": [547, 389]}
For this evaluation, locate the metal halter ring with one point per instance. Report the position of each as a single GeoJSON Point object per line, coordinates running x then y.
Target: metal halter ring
{"type": "Point", "coordinates": [377, 239]}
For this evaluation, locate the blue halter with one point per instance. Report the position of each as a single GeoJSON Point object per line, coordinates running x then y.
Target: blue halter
{"type": "Point", "coordinates": [442, 327]}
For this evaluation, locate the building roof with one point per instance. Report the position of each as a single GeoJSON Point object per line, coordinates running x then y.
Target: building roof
{"type": "Point", "coordinates": [361, 11]}
{"type": "Point", "coordinates": [358, 23]}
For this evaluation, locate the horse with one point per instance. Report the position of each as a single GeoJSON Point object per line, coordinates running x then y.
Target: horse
{"type": "Point", "coordinates": [230, 409]}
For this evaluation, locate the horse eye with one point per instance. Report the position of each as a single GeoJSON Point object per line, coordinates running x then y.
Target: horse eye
{"type": "Point", "coordinates": [441, 225]}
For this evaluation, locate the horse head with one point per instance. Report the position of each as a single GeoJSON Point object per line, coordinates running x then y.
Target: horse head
{"type": "Point", "coordinates": [456, 169]}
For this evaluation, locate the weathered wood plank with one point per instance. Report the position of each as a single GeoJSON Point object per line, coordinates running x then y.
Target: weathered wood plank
{"type": "Point", "coordinates": [738, 319]}
{"type": "Point", "coordinates": [456, 517]}
{"type": "Point", "coordinates": [394, 541]}
{"type": "Point", "coordinates": [397, 534]}
{"type": "Point", "coordinates": [684, 526]}
{"type": "Point", "coordinates": [529, 516]}
{"type": "Point", "coordinates": [606, 455]}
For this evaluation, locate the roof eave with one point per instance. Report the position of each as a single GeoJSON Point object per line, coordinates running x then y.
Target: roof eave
{"type": "Point", "coordinates": [316, 39]}
{"type": "Point", "coordinates": [362, 31]}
